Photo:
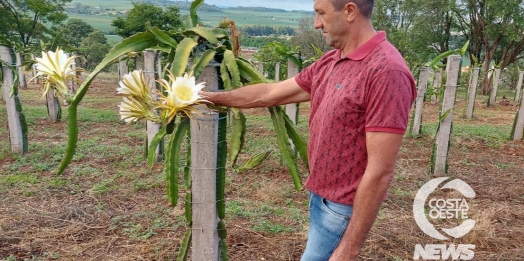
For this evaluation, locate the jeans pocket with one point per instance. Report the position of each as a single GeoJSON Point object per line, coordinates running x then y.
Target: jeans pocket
{"type": "Point", "coordinates": [339, 210]}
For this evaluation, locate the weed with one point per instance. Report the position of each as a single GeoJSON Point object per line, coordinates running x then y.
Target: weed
{"type": "Point", "coordinates": [91, 115]}
{"type": "Point", "coordinates": [381, 214]}
{"type": "Point", "coordinates": [134, 231]}
{"type": "Point", "coordinates": [271, 227]}
{"type": "Point", "coordinates": [19, 180]}
{"type": "Point", "coordinates": [180, 221]}
{"type": "Point", "coordinates": [466, 162]}
{"type": "Point", "coordinates": [505, 166]}
{"type": "Point", "coordinates": [101, 206]}
{"type": "Point", "coordinates": [402, 193]}
{"type": "Point", "coordinates": [105, 185]}
{"type": "Point", "coordinates": [494, 136]}
{"type": "Point", "coordinates": [143, 184]}
{"type": "Point", "coordinates": [116, 220]}
{"type": "Point", "coordinates": [86, 170]}
{"type": "Point", "coordinates": [137, 232]}
{"type": "Point", "coordinates": [11, 258]}
{"type": "Point", "coordinates": [279, 211]}
{"type": "Point", "coordinates": [237, 208]}
{"type": "Point", "coordinates": [101, 187]}
{"type": "Point", "coordinates": [298, 216]}
{"type": "Point", "coordinates": [56, 183]}
{"type": "Point", "coordinates": [400, 177]}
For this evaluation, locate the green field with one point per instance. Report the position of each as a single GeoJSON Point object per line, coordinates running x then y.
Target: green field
{"type": "Point", "coordinates": [99, 22]}
{"type": "Point", "coordinates": [116, 4]}
{"type": "Point", "coordinates": [103, 22]}
{"type": "Point", "coordinates": [113, 39]}
{"type": "Point", "coordinates": [241, 17]}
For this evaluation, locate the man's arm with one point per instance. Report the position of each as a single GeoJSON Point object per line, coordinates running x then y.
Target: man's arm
{"type": "Point", "coordinates": [260, 95]}
{"type": "Point", "coordinates": [382, 148]}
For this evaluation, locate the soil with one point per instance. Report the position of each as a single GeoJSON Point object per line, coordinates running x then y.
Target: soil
{"type": "Point", "coordinates": [71, 218]}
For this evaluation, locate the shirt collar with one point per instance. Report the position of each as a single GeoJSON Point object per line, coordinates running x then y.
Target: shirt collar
{"type": "Point", "coordinates": [365, 49]}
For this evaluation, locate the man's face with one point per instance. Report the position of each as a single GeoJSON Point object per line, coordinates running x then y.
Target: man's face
{"type": "Point", "coordinates": [332, 23]}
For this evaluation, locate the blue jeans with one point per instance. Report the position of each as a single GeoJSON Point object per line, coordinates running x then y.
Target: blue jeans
{"type": "Point", "coordinates": [328, 222]}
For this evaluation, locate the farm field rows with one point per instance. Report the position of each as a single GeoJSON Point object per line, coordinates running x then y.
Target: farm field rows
{"type": "Point", "coordinates": [241, 17]}
{"type": "Point", "coordinates": [109, 205]}
{"type": "Point", "coordinates": [103, 22]}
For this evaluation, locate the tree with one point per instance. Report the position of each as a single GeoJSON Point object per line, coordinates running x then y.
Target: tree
{"type": "Point", "coordinates": [420, 29]}
{"type": "Point", "coordinates": [269, 56]}
{"type": "Point", "coordinates": [76, 30]}
{"type": "Point", "coordinates": [141, 13]}
{"type": "Point", "coordinates": [26, 20]}
{"type": "Point", "coordinates": [266, 30]}
{"type": "Point", "coordinates": [434, 29]}
{"type": "Point", "coordinates": [93, 49]}
{"type": "Point", "coordinates": [306, 35]}
{"type": "Point", "coordinates": [4, 22]}
{"type": "Point", "coordinates": [395, 17]}
{"type": "Point", "coordinates": [258, 42]}
{"type": "Point", "coordinates": [416, 27]}
{"type": "Point", "coordinates": [93, 38]}
{"type": "Point", "coordinates": [495, 30]}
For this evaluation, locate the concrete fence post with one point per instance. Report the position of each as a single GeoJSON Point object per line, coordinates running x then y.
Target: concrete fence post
{"type": "Point", "coordinates": [440, 157]}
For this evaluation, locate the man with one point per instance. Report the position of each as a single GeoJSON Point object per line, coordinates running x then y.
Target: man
{"type": "Point", "coordinates": [361, 94]}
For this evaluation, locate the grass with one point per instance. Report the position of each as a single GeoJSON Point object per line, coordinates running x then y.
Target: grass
{"type": "Point", "coordinates": [18, 180]}
{"type": "Point", "coordinates": [489, 133]}
{"type": "Point", "coordinates": [266, 218]}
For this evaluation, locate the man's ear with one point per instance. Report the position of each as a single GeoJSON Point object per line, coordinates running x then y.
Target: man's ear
{"type": "Point", "coordinates": [351, 11]}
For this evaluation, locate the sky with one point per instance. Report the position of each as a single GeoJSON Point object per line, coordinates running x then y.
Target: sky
{"type": "Point", "coordinates": [280, 4]}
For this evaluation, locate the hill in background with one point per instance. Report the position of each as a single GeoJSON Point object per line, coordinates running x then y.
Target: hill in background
{"type": "Point", "coordinates": [100, 13]}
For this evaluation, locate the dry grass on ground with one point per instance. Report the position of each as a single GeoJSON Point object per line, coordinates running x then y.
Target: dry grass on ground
{"type": "Point", "coordinates": [110, 206]}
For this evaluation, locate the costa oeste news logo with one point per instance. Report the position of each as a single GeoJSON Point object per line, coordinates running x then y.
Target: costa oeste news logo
{"type": "Point", "coordinates": [439, 209]}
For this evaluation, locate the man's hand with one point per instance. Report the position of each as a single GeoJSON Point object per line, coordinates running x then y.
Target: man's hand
{"type": "Point", "coordinates": [343, 254]}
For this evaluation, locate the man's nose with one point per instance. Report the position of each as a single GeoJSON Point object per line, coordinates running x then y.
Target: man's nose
{"type": "Point", "coordinates": [318, 22]}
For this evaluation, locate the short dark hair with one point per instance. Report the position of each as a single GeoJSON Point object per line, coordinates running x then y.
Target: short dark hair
{"type": "Point", "coordinates": [365, 6]}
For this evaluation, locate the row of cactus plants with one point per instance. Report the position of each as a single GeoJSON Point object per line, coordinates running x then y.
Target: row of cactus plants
{"type": "Point", "coordinates": [189, 52]}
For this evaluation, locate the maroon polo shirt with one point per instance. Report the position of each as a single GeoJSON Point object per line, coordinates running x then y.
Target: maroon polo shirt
{"type": "Point", "coordinates": [369, 90]}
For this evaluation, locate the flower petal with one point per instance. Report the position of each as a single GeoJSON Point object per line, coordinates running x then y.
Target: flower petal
{"type": "Point", "coordinates": [56, 67]}
{"type": "Point", "coordinates": [181, 96]}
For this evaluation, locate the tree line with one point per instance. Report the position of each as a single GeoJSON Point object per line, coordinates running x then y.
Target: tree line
{"type": "Point", "coordinates": [79, 8]}
{"type": "Point", "coordinates": [186, 5]}
{"type": "Point", "coordinates": [266, 30]}
{"type": "Point", "coordinates": [422, 29]}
